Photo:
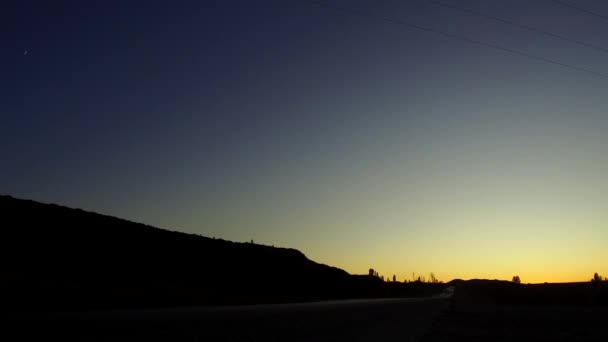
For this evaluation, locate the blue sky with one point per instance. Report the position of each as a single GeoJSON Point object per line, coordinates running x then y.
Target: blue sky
{"type": "Point", "coordinates": [359, 141]}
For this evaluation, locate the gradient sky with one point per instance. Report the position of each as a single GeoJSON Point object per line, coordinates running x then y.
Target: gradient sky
{"type": "Point", "coordinates": [354, 139]}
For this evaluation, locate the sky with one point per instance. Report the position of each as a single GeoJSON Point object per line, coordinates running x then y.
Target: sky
{"type": "Point", "coordinates": [406, 136]}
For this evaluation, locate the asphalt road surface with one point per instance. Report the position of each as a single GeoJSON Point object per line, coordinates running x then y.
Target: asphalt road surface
{"type": "Point", "coordinates": [402, 319]}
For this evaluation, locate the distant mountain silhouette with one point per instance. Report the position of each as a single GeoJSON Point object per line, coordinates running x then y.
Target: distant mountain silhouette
{"type": "Point", "coordinates": [55, 257]}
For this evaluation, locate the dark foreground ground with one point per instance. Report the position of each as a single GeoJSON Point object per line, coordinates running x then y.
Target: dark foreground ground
{"type": "Point", "coordinates": [488, 311]}
{"type": "Point", "coordinates": [354, 320]}
{"type": "Point", "coordinates": [521, 323]}
{"type": "Point", "coordinates": [474, 311]}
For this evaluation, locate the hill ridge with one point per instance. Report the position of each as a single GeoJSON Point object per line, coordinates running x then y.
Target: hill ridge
{"type": "Point", "coordinates": [60, 258]}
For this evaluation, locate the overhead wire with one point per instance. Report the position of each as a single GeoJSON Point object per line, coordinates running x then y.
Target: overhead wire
{"type": "Point", "coordinates": [458, 37]}
{"type": "Point", "coordinates": [518, 25]}
{"type": "Point", "coordinates": [580, 9]}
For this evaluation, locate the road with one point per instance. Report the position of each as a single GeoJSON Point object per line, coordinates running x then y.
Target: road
{"type": "Point", "coordinates": [402, 319]}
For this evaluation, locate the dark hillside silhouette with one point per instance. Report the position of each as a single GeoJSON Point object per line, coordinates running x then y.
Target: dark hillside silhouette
{"type": "Point", "coordinates": [56, 255]}
{"type": "Point", "coordinates": [60, 258]}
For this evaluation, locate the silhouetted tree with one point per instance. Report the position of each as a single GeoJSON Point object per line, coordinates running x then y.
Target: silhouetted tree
{"type": "Point", "coordinates": [596, 278]}
{"type": "Point", "coordinates": [394, 278]}
{"type": "Point", "coordinates": [432, 278]}
{"type": "Point", "coordinates": [516, 279]}
{"type": "Point", "coordinates": [371, 272]}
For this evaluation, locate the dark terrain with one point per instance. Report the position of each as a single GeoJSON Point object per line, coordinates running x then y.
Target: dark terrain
{"type": "Point", "coordinates": [484, 310]}
{"type": "Point", "coordinates": [56, 259]}
{"type": "Point", "coordinates": [69, 274]}
{"type": "Point", "coordinates": [350, 320]}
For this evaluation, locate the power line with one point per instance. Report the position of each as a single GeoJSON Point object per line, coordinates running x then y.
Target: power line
{"type": "Point", "coordinates": [521, 26]}
{"type": "Point", "coordinates": [580, 9]}
{"type": "Point", "coordinates": [460, 38]}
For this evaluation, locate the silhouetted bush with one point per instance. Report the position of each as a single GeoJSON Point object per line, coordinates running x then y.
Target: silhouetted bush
{"type": "Point", "coordinates": [598, 278]}
{"type": "Point", "coordinates": [516, 279]}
